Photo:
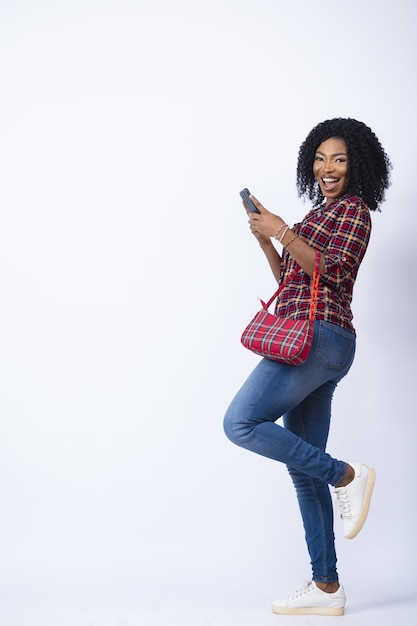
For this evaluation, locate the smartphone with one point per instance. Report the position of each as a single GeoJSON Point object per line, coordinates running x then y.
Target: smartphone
{"type": "Point", "coordinates": [244, 194]}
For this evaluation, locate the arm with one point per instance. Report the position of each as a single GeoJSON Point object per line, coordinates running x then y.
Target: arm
{"type": "Point", "coordinates": [347, 245]}
{"type": "Point", "coordinates": [273, 258]}
{"type": "Point", "coordinates": [268, 248]}
{"type": "Point", "coordinates": [265, 225]}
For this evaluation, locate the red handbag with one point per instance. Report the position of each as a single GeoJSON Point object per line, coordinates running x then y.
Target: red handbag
{"type": "Point", "coordinates": [279, 338]}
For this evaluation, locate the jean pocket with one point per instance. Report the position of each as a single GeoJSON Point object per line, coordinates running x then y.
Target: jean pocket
{"type": "Point", "coordinates": [335, 347]}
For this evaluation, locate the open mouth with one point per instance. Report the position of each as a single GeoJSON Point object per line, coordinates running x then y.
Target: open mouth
{"type": "Point", "coordinates": [330, 183]}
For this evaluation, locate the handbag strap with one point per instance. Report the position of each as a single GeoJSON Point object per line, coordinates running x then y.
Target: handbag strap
{"type": "Point", "coordinates": [314, 289]}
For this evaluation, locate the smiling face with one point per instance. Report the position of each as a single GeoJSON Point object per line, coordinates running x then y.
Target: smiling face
{"type": "Point", "coordinates": [330, 168]}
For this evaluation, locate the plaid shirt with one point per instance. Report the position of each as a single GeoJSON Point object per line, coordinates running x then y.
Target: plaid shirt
{"type": "Point", "coordinates": [340, 230]}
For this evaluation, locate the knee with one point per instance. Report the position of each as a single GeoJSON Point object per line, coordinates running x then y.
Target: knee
{"type": "Point", "coordinates": [300, 480]}
{"type": "Point", "coordinates": [229, 426]}
{"type": "Point", "coordinates": [306, 484]}
{"type": "Point", "coordinates": [232, 429]}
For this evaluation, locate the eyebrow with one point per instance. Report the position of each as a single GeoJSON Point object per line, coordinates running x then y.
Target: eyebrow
{"type": "Point", "coordinates": [336, 153]}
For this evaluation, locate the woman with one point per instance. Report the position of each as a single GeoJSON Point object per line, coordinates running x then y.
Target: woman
{"type": "Point", "coordinates": [343, 169]}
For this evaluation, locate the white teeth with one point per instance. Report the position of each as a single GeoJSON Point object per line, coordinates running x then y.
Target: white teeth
{"type": "Point", "coordinates": [330, 180]}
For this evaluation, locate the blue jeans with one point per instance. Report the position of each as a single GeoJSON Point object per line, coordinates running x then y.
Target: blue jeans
{"type": "Point", "coordinates": [302, 395]}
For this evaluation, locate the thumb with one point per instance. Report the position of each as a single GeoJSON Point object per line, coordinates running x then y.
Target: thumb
{"type": "Point", "coordinates": [258, 204]}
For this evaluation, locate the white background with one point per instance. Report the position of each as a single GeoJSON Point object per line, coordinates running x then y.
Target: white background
{"type": "Point", "coordinates": [127, 273]}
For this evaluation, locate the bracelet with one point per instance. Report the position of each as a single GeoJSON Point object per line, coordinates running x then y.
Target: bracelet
{"type": "Point", "coordinates": [279, 230]}
{"type": "Point", "coordinates": [290, 242]}
{"type": "Point", "coordinates": [283, 234]}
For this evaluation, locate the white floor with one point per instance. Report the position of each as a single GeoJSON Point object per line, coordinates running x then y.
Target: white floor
{"type": "Point", "coordinates": [401, 611]}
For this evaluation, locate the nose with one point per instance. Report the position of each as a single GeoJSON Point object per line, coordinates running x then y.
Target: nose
{"type": "Point", "coordinates": [328, 165]}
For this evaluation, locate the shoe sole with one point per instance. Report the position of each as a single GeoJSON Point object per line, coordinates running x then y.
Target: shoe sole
{"type": "Point", "coordinates": [366, 503]}
{"type": "Point", "coordinates": [308, 610]}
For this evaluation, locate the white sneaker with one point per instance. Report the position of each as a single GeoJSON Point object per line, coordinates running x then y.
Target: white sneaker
{"type": "Point", "coordinates": [310, 600]}
{"type": "Point", "coordinates": [355, 498]}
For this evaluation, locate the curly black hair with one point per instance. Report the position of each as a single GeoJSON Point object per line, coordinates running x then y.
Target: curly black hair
{"type": "Point", "coordinates": [369, 166]}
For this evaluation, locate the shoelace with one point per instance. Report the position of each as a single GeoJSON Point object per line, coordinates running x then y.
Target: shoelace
{"type": "Point", "coordinates": [301, 592]}
{"type": "Point", "coordinates": [343, 502]}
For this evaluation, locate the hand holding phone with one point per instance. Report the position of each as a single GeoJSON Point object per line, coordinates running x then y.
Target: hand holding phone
{"type": "Point", "coordinates": [244, 194]}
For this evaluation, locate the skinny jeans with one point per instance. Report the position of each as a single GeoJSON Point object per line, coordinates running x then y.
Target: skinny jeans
{"type": "Point", "coordinates": [302, 396]}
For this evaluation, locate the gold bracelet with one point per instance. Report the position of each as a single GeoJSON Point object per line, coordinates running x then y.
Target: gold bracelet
{"type": "Point", "coordinates": [290, 242]}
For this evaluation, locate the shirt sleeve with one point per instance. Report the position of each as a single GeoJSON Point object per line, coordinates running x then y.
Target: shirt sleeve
{"type": "Point", "coordinates": [349, 239]}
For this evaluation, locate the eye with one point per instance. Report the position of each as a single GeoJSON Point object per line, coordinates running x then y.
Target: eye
{"type": "Point", "coordinates": [318, 158]}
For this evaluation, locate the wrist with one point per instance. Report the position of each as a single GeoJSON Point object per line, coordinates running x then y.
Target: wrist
{"type": "Point", "coordinates": [280, 230]}
{"type": "Point", "coordinates": [281, 235]}
{"type": "Point", "coordinates": [289, 237]}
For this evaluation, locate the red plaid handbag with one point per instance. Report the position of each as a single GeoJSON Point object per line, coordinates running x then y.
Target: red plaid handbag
{"type": "Point", "coordinates": [279, 338]}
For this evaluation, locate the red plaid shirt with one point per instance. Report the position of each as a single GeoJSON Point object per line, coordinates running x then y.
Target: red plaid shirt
{"type": "Point", "coordinates": [341, 231]}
